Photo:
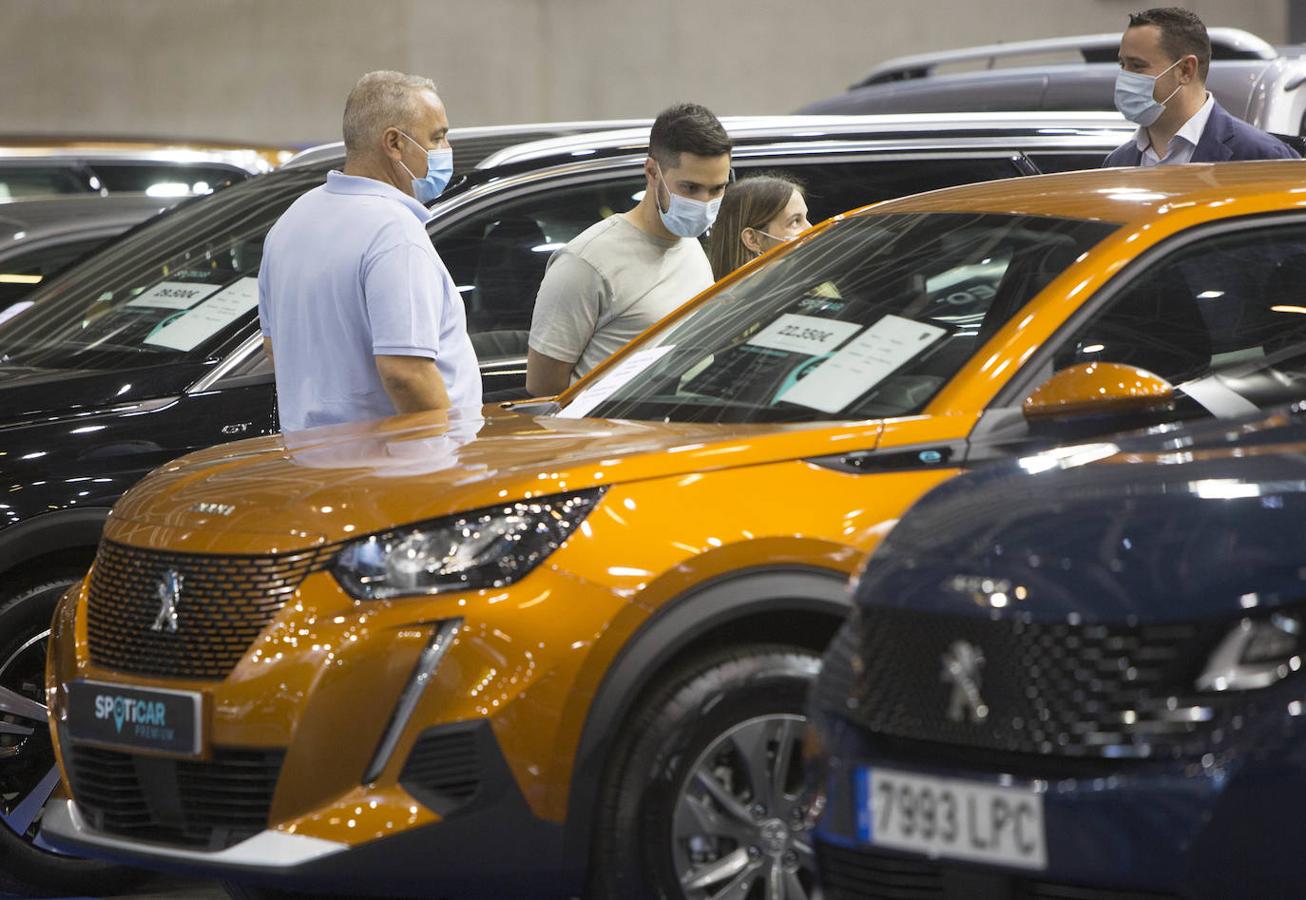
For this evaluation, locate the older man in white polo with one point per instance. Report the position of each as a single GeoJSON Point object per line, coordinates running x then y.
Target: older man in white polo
{"type": "Point", "coordinates": [357, 310]}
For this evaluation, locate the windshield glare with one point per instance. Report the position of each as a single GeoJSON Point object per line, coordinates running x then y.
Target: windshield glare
{"type": "Point", "coordinates": [867, 319]}
{"type": "Point", "coordinates": [175, 288]}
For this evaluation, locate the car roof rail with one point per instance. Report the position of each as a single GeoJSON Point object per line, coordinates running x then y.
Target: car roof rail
{"type": "Point", "coordinates": [474, 143]}
{"type": "Point", "coordinates": [1226, 43]}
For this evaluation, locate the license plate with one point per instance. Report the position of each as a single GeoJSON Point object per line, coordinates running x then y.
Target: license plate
{"type": "Point", "coordinates": [128, 718]}
{"type": "Point", "coordinates": [946, 817]}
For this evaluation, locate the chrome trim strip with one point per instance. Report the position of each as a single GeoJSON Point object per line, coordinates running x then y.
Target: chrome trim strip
{"type": "Point", "coordinates": [266, 850]}
{"type": "Point", "coordinates": [222, 369]}
{"type": "Point", "coordinates": [423, 672]}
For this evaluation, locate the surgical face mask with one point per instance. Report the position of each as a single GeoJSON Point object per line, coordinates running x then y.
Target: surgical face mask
{"type": "Point", "coordinates": [684, 217]}
{"type": "Point", "coordinates": [439, 169]}
{"type": "Point", "coordinates": [1136, 96]}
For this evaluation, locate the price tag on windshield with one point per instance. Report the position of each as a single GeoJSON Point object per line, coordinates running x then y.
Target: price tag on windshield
{"type": "Point", "coordinates": [868, 359]}
{"type": "Point", "coordinates": [809, 335]}
{"type": "Point", "coordinates": [173, 295]}
{"type": "Point", "coordinates": [195, 326]}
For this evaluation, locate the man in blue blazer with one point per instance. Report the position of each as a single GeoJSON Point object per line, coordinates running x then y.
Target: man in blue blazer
{"type": "Point", "coordinates": [1165, 55]}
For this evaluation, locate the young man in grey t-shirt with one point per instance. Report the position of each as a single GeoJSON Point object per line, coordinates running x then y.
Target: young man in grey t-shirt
{"type": "Point", "coordinates": [621, 275]}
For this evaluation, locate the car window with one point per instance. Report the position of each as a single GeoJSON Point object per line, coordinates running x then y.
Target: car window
{"type": "Point", "coordinates": [23, 273]}
{"type": "Point", "coordinates": [833, 188]}
{"type": "Point", "coordinates": [170, 289]}
{"type": "Point", "coordinates": [1048, 163]}
{"type": "Point", "coordinates": [164, 179]}
{"type": "Point", "coordinates": [498, 255]}
{"type": "Point", "coordinates": [867, 319]}
{"type": "Point", "coordinates": [1226, 307]}
{"type": "Point", "coordinates": [37, 181]}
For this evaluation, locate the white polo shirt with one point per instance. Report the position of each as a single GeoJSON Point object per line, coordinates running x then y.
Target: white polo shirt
{"type": "Point", "coordinates": [1182, 146]}
{"type": "Point", "coordinates": [348, 274]}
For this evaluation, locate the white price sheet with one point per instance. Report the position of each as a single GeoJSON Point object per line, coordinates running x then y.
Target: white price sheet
{"type": "Point", "coordinates": [199, 323]}
{"type": "Point", "coordinates": [862, 363]}
{"type": "Point", "coordinates": [811, 335]}
{"type": "Point", "coordinates": [615, 380]}
{"type": "Point", "coordinates": [173, 295]}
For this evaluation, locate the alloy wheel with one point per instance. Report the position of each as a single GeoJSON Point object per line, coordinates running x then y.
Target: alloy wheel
{"type": "Point", "coordinates": [739, 829]}
{"type": "Point", "coordinates": [28, 775]}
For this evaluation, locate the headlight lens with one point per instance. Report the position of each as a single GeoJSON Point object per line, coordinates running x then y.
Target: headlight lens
{"type": "Point", "coordinates": [1256, 653]}
{"type": "Point", "coordinates": [480, 549]}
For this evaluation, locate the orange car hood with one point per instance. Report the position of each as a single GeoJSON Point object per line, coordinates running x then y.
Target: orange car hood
{"type": "Point", "coordinates": [333, 483]}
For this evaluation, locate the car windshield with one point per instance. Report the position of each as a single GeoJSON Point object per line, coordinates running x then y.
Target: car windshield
{"type": "Point", "coordinates": [174, 288]}
{"type": "Point", "coordinates": [867, 319]}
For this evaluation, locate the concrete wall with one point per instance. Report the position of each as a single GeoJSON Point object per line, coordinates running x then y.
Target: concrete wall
{"type": "Point", "coordinates": [279, 70]}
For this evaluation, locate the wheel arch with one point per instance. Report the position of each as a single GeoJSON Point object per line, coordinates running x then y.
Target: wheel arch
{"type": "Point", "coordinates": [67, 536]}
{"type": "Point", "coordinates": [798, 606]}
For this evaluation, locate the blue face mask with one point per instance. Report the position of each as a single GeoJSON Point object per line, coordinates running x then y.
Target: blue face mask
{"type": "Point", "coordinates": [684, 217]}
{"type": "Point", "coordinates": [439, 169]}
{"type": "Point", "coordinates": [1136, 96]}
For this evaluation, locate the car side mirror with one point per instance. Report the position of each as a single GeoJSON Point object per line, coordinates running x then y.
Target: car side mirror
{"type": "Point", "coordinates": [1099, 388]}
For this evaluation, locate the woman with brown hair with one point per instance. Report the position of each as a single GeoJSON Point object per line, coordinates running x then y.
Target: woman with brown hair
{"type": "Point", "coordinates": [756, 214]}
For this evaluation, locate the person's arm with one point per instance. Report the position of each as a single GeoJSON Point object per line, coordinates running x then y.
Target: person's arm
{"type": "Point", "coordinates": [566, 316]}
{"type": "Point", "coordinates": [546, 376]}
{"type": "Point", "coordinates": [405, 294]}
{"type": "Point", "coordinates": [413, 383]}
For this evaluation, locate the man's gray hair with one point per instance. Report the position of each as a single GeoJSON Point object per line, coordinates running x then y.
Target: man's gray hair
{"type": "Point", "coordinates": [378, 101]}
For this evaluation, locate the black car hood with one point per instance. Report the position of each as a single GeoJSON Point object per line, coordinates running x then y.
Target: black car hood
{"type": "Point", "coordinates": [30, 393]}
{"type": "Point", "coordinates": [1182, 523]}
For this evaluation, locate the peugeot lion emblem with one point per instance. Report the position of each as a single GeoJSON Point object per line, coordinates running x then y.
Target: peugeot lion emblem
{"type": "Point", "coordinates": [961, 669]}
{"type": "Point", "coordinates": [169, 593]}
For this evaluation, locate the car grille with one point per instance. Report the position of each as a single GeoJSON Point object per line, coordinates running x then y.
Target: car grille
{"type": "Point", "coordinates": [205, 804]}
{"type": "Point", "coordinates": [863, 873]}
{"type": "Point", "coordinates": [1051, 690]}
{"type": "Point", "coordinates": [225, 602]}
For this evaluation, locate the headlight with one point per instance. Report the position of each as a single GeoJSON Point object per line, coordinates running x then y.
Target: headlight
{"type": "Point", "coordinates": [481, 549]}
{"type": "Point", "coordinates": [1254, 654]}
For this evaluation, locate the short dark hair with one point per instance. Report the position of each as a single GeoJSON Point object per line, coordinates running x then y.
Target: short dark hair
{"type": "Point", "coordinates": [686, 128]}
{"type": "Point", "coordinates": [1182, 34]}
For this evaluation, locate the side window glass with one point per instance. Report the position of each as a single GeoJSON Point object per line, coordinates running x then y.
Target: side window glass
{"type": "Point", "coordinates": [24, 273]}
{"type": "Point", "coordinates": [1230, 308]}
{"type": "Point", "coordinates": [1049, 163]}
{"type": "Point", "coordinates": [833, 188]}
{"type": "Point", "coordinates": [497, 256]}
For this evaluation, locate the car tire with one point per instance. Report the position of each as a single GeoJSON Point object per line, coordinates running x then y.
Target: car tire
{"type": "Point", "coordinates": [26, 869]}
{"type": "Point", "coordinates": [704, 794]}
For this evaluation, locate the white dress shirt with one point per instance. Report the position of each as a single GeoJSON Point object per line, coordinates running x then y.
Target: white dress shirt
{"type": "Point", "coordinates": [1184, 143]}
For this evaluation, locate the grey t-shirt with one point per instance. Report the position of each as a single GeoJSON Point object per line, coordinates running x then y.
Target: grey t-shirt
{"type": "Point", "coordinates": [612, 281]}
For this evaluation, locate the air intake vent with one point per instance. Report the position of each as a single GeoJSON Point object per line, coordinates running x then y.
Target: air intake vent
{"type": "Point", "coordinates": [190, 803]}
{"type": "Point", "coordinates": [444, 769]}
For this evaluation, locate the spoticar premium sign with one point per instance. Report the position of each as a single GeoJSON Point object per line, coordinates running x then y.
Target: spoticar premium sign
{"type": "Point", "coordinates": [134, 718]}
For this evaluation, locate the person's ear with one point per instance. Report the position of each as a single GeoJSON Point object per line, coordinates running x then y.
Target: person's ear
{"type": "Point", "coordinates": [1189, 68]}
{"type": "Point", "coordinates": [391, 143]}
{"type": "Point", "coordinates": [751, 240]}
{"type": "Point", "coordinates": [650, 171]}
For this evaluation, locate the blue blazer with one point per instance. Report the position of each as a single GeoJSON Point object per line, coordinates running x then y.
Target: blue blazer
{"type": "Point", "coordinates": [1225, 138]}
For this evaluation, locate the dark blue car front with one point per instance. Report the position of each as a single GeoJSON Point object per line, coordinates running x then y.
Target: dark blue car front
{"type": "Point", "coordinates": [1077, 675]}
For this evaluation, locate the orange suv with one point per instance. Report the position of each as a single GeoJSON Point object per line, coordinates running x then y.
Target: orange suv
{"type": "Point", "coordinates": [565, 647]}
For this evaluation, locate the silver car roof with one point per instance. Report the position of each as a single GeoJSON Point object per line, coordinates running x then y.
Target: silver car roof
{"type": "Point", "coordinates": [763, 128]}
{"type": "Point", "coordinates": [325, 153]}
{"type": "Point", "coordinates": [1224, 42]}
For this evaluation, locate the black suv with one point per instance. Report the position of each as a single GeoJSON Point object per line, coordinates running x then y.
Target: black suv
{"type": "Point", "coordinates": [150, 349]}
